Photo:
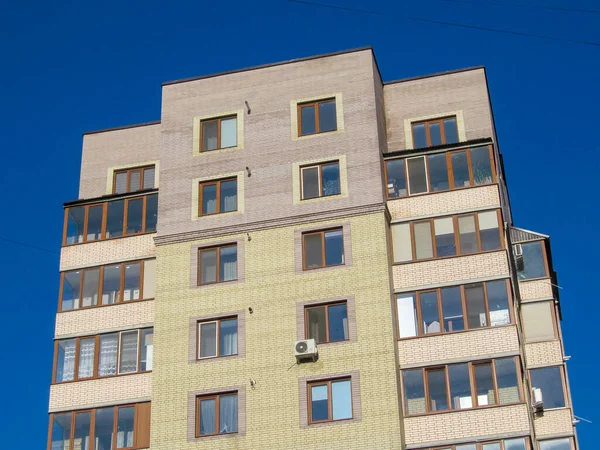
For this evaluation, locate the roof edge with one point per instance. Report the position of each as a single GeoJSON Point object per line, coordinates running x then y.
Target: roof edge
{"type": "Point", "coordinates": [438, 74]}
{"type": "Point", "coordinates": [123, 127]}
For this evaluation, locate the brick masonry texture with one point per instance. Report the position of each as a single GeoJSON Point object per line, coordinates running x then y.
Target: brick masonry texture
{"type": "Point", "coordinates": [540, 353]}
{"type": "Point", "coordinates": [554, 422]}
{"type": "Point", "coordinates": [535, 289]}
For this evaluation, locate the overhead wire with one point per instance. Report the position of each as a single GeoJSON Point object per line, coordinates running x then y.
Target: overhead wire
{"type": "Point", "coordinates": [24, 244]}
{"type": "Point", "coordinates": [527, 6]}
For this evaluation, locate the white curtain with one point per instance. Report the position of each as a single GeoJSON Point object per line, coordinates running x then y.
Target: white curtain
{"type": "Point", "coordinates": [108, 355]}
{"type": "Point", "coordinates": [68, 363]}
{"type": "Point", "coordinates": [211, 206]}
{"type": "Point", "coordinates": [345, 325]}
{"type": "Point", "coordinates": [229, 270]}
{"type": "Point", "coordinates": [230, 202]}
{"type": "Point", "coordinates": [86, 358]}
{"type": "Point", "coordinates": [228, 414]}
{"type": "Point", "coordinates": [228, 344]}
{"type": "Point", "coordinates": [129, 347]}
{"type": "Point", "coordinates": [207, 417]}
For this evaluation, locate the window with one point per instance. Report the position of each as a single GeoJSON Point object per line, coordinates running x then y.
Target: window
{"type": "Point", "coordinates": [329, 400]}
{"type": "Point", "coordinates": [550, 381]}
{"type": "Point", "coordinates": [456, 308]}
{"type": "Point", "coordinates": [218, 196]}
{"type": "Point", "coordinates": [446, 236]}
{"type": "Point", "coordinates": [103, 355]}
{"type": "Point", "coordinates": [115, 427]}
{"type": "Point", "coordinates": [217, 264]}
{"type": "Point", "coordinates": [439, 172]}
{"type": "Point", "coordinates": [216, 414]}
{"type": "Point", "coordinates": [112, 219]}
{"type": "Point", "coordinates": [538, 321]}
{"type": "Point", "coordinates": [521, 443]}
{"type": "Point", "coordinates": [556, 444]}
{"type": "Point", "coordinates": [317, 117]}
{"type": "Point", "coordinates": [531, 260]}
{"type": "Point", "coordinates": [435, 132]}
{"type": "Point", "coordinates": [107, 285]}
{"type": "Point", "coordinates": [326, 323]}
{"type": "Point", "coordinates": [323, 249]}
{"type": "Point", "coordinates": [320, 180]}
{"type": "Point", "coordinates": [131, 180]}
{"type": "Point", "coordinates": [218, 133]}
{"type": "Point", "coordinates": [217, 338]}
{"type": "Point", "coordinates": [461, 386]}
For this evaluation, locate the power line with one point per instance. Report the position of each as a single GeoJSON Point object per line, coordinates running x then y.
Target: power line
{"type": "Point", "coordinates": [28, 245]}
{"type": "Point", "coordinates": [521, 5]}
{"type": "Point", "coordinates": [452, 24]}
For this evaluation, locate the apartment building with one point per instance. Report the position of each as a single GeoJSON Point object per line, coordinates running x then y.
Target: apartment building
{"type": "Point", "coordinates": [306, 202]}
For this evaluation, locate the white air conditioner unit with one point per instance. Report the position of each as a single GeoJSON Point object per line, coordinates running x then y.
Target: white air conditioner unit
{"type": "Point", "coordinates": [518, 250]}
{"type": "Point", "coordinates": [538, 400]}
{"type": "Point", "coordinates": [306, 350]}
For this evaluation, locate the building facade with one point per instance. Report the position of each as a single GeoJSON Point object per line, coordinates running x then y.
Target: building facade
{"type": "Point", "coordinates": [306, 201]}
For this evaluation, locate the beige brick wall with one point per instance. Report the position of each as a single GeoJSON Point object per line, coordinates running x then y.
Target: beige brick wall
{"type": "Point", "coordinates": [104, 391]}
{"type": "Point", "coordinates": [539, 353]}
{"type": "Point", "coordinates": [96, 320]}
{"type": "Point", "coordinates": [103, 252]}
{"type": "Point", "coordinates": [444, 202]}
{"type": "Point", "coordinates": [531, 290]}
{"type": "Point", "coordinates": [466, 424]}
{"type": "Point", "coordinates": [554, 422]}
{"type": "Point", "coordinates": [426, 273]}
{"type": "Point", "coordinates": [468, 344]}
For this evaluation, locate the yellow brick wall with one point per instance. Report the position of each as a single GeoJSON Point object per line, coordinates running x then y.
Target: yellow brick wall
{"type": "Point", "coordinates": [272, 287]}
{"type": "Point", "coordinates": [554, 422]}
{"type": "Point", "coordinates": [531, 290]}
{"type": "Point", "coordinates": [547, 352]}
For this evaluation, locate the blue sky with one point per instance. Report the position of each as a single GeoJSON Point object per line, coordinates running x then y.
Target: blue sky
{"type": "Point", "coordinates": [69, 67]}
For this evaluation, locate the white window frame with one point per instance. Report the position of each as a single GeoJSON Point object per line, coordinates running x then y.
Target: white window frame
{"type": "Point", "coordinates": [217, 328]}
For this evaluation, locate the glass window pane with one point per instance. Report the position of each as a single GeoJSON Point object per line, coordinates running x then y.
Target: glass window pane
{"type": "Point", "coordinates": [549, 380]}
{"type": "Point", "coordinates": [327, 117]}
{"type": "Point", "coordinates": [538, 322]}
{"type": "Point", "coordinates": [228, 263]}
{"type": "Point", "coordinates": [488, 230]}
{"type": "Point", "coordinates": [338, 323]}
{"type": "Point", "coordinates": [121, 183]}
{"type": "Point", "coordinates": [330, 174]}
{"type": "Point", "coordinates": [341, 399]}
{"type": "Point", "coordinates": [151, 213]}
{"type": "Point", "coordinates": [460, 386]}
{"type": "Point", "coordinates": [307, 120]}
{"type": "Point", "coordinates": [208, 339]}
{"type": "Point", "coordinates": [94, 228]}
{"type": "Point", "coordinates": [407, 315]}
{"type": "Point", "coordinates": [417, 177]}
{"type": "Point", "coordinates": [229, 132]}
{"type": "Point", "coordinates": [135, 209]}
{"type": "Point", "coordinates": [61, 431]}
{"type": "Point", "coordinates": [466, 447]}
{"type": "Point", "coordinates": [531, 263]}
{"type": "Point", "coordinates": [111, 285]}
{"type": "Point", "coordinates": [319, 403]}
{"type": "Point", "coordinates": [132, 282]}
{"type": "Point", "coordinates": [147, 349]}
{"type": "Point", "coordinates": [208, 417]}
{"type": "Point", "coordinates": [129, 352]}
{"type": "Point", "coordinates": [149, 174]}
{"type": "Point", "coordinates": [91, 282]}
{"type": "Point", "coordinates": [444, 237]}
{"type": "Point", "coordinates": [436, 382]}
{"type": "Point", "coordinates": [452, 308]}
{"type": "Point", "coordinates": [481, 165]}
{"type": "Point", "coordinates": [310, 182]}
{"type": "Point", "coordinates": [107, 364]}
{"type": "Point", "coordinates": [87, 348]}
{"type": "Point", "coordinates": [467, 234]}
{"type": "Point", "coordinates": [75, 221]}
{"type": "Point", "coordinates": [208, 266]}
{"type": "Point", "coordinates": [492, 446]}
{"type": "Point", "coordinates": [401, 240]}
{"type": "Point", "coordinates": [438, 172]}
{"type": "Point", "coordinates": [430, 314]}
{"type": "Point", "coordinates": [423, 244]}
{"type": "Point", "coordinates": [209, 198]}
{"type": "Point", "coordinates": [498, 302]}
{"type": "Point", "coordinates": [114, 219]}
{"type": "Point", "coordinates": [450, 131]}
{"type": "Point", "coordinates": [475, 305]}
{"type": "Point", "coordinates": [334, 248]}
{"type": "Point", "coordinates": [419, 136]}
{"type": "Point", "coordinates": [435, 134]}
{"type": "Point", "coordinates": [103, 429]}
{"type": "Point", "coordinates": [135, 179]}
{"type": "Point", "coordinates": [556, 444]}
{"type": "Point", "coordinates": [70, 291]}
{"type": "Point", "coordinates": [229, 196]}
{"type": "Point", "coordinates": [65, 364]}
{"type": "Point", "coordinates": [125, 427]}
{"type": "Point", "coordinates": [209, 135]}
{"type": "Point", "coordinates": [81, 436]}
{"type": "Point", "coordinates": [484, 384]}
{"type": "Point", "coordinates": [414, 391]}
{"type": "Point", "coordinates": [228, 414]}
{"type": "Point", "coordinates": [506, 380]}
{"type": "Point", "coordinates": [396, 178]}
{"type": "Point", "coordinates": [313, 251]}
{"type": "Point", "coordinates": [317, 326]}
{"type": "Point", "coordinates": [228, 337]}
{"type": "Point", "coordinates": [460, 169]}
{"type": "Point", "coordinates": [516, 444]}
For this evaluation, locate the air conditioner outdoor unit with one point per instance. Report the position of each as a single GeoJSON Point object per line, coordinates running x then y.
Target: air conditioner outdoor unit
{"type": "Point", "coordinates": [306, 350]}
{"type": "Point", "coordinates": [538, 400]}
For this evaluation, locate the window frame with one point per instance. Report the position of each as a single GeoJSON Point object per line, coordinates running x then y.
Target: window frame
{"type": "Point", "coordinates": [327, 382]}
{"type": "Point", "coordinates": [479, 445]}
{"type": "Point", "coordinates": [323, 252]}
{"type": "Point", "coordinates": [319, 167]}
{"type": "Point", "coordinates": [539, 446]}
{"type": "Point", "coordinates": [217, 396]}
{"type": "Point", "coordinates": [326, 306]}
{"type": "Point", "coordinates": [217, 119]}
{"type": "Point", "coordinates": [542, 244]}
{"type": "Point", "coordinates": [96, 366]}
{"type": "Point", "coordinates": [218, 263]}
{"type": "Point", "coordinates": [128, 171]}
{"type": "Point", "coordinates": [316, 104]}
{"type": "Point", "coordinates": [217, 183]}
{"type": "Point", "coordinates": [553, 316]}
{"type": "Point", "coordinates": [428, 123]}
{"type": "Point", "coordinates": [218, 321]}
{"type": "Point", "coordinates": [563, 381]}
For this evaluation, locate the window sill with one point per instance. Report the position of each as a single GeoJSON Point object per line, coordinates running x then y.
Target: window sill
{"type": "Point", "coordinates": [217, 151]}
{"type": "Point", "coordinates": [222, 214]}
{"type": "Point", "coordinates": [452, 333]}
{"type": "Point", "coordinates": [320, 269]}
{"type": "Point", "coordinates": [218, 283]}
{"type": "Point", "coordinates": [407, 416]}
{"type": "Point", "coordinates": [424, 194]}
{"type": "Point", "coordinates": [85, 308]}
{"type": "Point", "coordinates": [402, 263]}
{"type": "Point", "coordinates": [107, 377]}
{"type": "Point", "coordinates": [322, 198]}
{"type": "Point", "coordinates": [525, 280]}
{"type": "Point", "coordinates": [216, 358]}
{"type": "Point", "coordinates": [313, 135]}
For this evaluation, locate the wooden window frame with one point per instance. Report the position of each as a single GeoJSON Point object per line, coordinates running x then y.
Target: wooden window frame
{"type": "Point", "coordinates": [128, 172]}
{"type": "Point", "coordinates": [323, 253]}
{"type": "Point", "coordinates": [218, 249]}
{"type": "Point", "coordinates": [479, 445]}
{"type": "Point", "coordinates": [319, 167]}
{"type": "Point", "coordinates": [142, 263]}
{"type": "Point", "coordinates": [217, 398]}
{"type": "Point", "coordinates": [105, 218]}
{"type": "Point", "coordinates": [97, 337]}
{"type": "Point", "coordinates": [136, 423]}
{"type": "Point", "coordinates": [217, 183]}
{"type": "Point", "coordinates": [218, 119]}
{"type": "Point", "coordinates": [571, 441]}
{"type": "Point", "coordinates": [428, 123]}
{"type": "Point", "coordinates": [327, 382]}
{"type": "Point", "coordinates": [316, 104]}
{"type": "Point", "coordinates": [544, 257]}
{"type": "Point", "coordinates": [218, 340]}
{"type": "Point", "coordinates": [450, 172]}
{"type": "Point", "coordinates": [326, 306]}
{"type": "Point", "coordinates": [471, 365]}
